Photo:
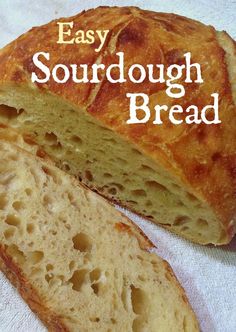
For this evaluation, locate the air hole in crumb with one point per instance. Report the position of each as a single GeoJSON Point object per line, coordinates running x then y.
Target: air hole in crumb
{"type": "Point", "coordinates": [17, 254]}
{"type": "Point", "coordinates": [141, 278]}
{"type": "Point", "coordinates": [88, 175]}
{"type": "Point", "coordinates": [82, 242]}
{"type": "Point", "coordinates": [65, 167]}
{"type": "Point", "coordinates": [71, 198]}
{"type": "Point", "coordinates": [202, 223]}
{"type": "Point", "coordinates": [12, 220]}
{"type": "Point", "coordinates": [29, 139]}
{"type": "Point", "coordinates": [3, 201]}
{"type": "Point", "coordinates": [117, 185]}
{"type": "Point", "coordinates": [154, 262]}
{"type": "Point", "coordinates": [95, 275]}
{"type": "Point", "coordinates": [140, 258]}
{"type": "Point", "coordinates": [181, 220]}
{"type": "Point", "coordinates": [112, 191]}
{"type": "Point", "coordinates": [95, 288]}
{"type": "Point", "coordinates": [57, 146]}
{"type": "Point", "coordinates": [47, 200]}
{"type": "Point", "coordinates": [28, 122]}
{"type": "Point", "coordinates": [69, 153]}
{"type": "Point", "coordinates": [76, 139]}
{"type": "Point", "coordinates": [17, 205]}
{"type": "Point", "coordinates": [132, 202]}
{"type": "Point", "coordinates": [192, 198]}
{"type": "Point", "coordinates": [48, 277]}
{"type": "Point", "coordinates": [28, 191]}
{"type": "Point", "coordinates": [52, 174]}
{"type": "Point", "coordinates": [110, 140]}
{"type": "Point", "coordinates": [137, 327]}
{"type": "Point", "coordinates": [10, 112]}
{"type": "Point", "coordinates": [50, 137]}
{"type": "Point", "coordinates": [146, 168]}
{"type": "Point", "coordinates": [139, 192]}
{"type": "Point", "coordinates": [72, 265]}
{"type": "Point", "coordinates": [138, 299]}
{"type": "Point", "coordinates": [30, 228]}
{"type": "Point", "coordinates": [46, 170]}
{"type": "Point", "coordinates": [113, 320]}
{"type": "Point", "coordinates": [9, 233]}
{"type": "Point", "coordinates": [95, 319]}
{"type": "Point", "coordinates": [78, 278]}
{"type": "Point", "coordinates": [49, 267]}
{"type": "Point", "coordinates": [136, 151]}
{"type": "Point", "coordinates": [35, 257]}
{"type": "Point", "coordinates": [155, 185]}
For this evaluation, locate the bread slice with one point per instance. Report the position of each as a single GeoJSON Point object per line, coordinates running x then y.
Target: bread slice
{"type": "Point", "coordinates": [181, 177]}
{"type": "Point", "coordinates": [78, 262]}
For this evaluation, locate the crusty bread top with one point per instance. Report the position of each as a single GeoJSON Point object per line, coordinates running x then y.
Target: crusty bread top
{"type": "Point", "coordinates": [202, 156]}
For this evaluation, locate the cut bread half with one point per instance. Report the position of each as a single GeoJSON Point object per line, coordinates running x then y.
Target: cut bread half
{"type": "Point", "coordinates": [181, 177]}
{"type": "Point", "coordinates": [78, 262]}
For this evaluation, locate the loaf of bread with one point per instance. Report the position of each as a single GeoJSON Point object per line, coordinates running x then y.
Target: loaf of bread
{"type": "Point", "coordinates": [179, 176]}
{"type": "Point", "coordinates": [77, 261]}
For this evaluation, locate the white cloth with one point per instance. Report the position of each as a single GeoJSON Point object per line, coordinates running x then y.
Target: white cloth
{"type": "Point", "coordinates": [208, 274]}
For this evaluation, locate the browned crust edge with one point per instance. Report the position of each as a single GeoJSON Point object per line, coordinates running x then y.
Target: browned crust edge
{"type": "Point", "coordinates": [15, 275]}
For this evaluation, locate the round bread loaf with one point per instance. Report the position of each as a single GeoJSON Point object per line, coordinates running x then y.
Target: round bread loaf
{"type": "Point", "coordinates": [180, 176]}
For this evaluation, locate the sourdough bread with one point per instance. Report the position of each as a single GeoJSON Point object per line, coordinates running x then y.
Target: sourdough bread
{"type": "Point", "coordinates": [78, 262]}
{"type": "Point", "coordinates": [181, 177]}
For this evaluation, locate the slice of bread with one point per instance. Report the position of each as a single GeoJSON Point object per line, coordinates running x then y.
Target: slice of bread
{"type": "Point", "coordinates": [180, 176]}
{"type": "Point", "coordinates": [78, 262]}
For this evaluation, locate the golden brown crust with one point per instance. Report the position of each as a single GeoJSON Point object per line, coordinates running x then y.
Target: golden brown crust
{"type": "Point", "coordinates": [202, 156]}
{"type": "Point", "coordinates": [37, 304]}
